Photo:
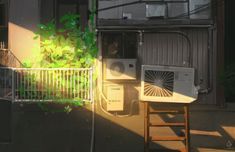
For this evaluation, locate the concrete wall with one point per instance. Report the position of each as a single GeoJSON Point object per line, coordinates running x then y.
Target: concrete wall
{"type": "Point", "coordinates": [24, 15]}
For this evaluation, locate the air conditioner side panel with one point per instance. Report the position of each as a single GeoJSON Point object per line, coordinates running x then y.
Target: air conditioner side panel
{"type": "Point", "coordinates": [115, 97]}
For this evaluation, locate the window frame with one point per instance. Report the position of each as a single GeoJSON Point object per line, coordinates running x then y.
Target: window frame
{"type": "Point", "coordinates": [121, 37]}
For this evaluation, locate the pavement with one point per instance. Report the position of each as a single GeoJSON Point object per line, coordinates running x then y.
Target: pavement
{"type": "Point", "coordinates": [27, 128]}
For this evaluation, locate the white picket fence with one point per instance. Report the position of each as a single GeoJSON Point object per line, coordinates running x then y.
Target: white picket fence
{"type": "Point", "coordinates": [46, 84]}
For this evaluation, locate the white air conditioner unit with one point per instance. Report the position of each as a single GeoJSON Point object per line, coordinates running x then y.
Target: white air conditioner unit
{"type": "Point", "coordinates": [200, 9]}
{"type": "Point", "coordinates": [155, 10]}
{"type": "Point", "coordinates": [120, 69]}
{"type": "Point", "coordinates": [115, 96]}
{"type": "Point", "coordinates": [167, 84]}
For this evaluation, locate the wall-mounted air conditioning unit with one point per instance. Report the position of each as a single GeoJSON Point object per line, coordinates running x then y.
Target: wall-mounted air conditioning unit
{"type": "Point", "coordinates": [155, 10]}
{"type": "Point", "coordinates": [115, 97]}
{"type": "Point", "coordinates": [200, 9]}
{"type": "Point", "coordinates": [120, 69]}
{"type": "Point", "coordinates": [167, 84]}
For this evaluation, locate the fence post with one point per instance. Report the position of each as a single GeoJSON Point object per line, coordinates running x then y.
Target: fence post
{"type": "Point", "coordinates": [91, 84]}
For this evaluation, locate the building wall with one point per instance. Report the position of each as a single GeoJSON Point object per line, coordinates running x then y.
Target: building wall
{"type": "Point", "coordinates": [167, 48]}
{"type": "Point", "coordinates": [171, 48]}
{"type": "Point", "coordinates": [137, 10]}
{"type": "Point", "coordinates": [174, 49]}
{"type": "Point", "coordinates": [24, 16]}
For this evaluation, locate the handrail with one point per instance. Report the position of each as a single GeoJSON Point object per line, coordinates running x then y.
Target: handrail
{"type": "Point", "coordinates": [46, 84]}
{"type": "Point", "coordinates": [12, 57]}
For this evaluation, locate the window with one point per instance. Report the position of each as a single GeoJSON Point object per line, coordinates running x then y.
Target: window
{"type": "Point", "coordinates": [2, 15]}
{"type": "Point", "coordinates": [64, 7]}
{"type": "Point", "coordinates": [119, 45]}
{"type": "Point", "coordinates": [3, 23]}
{"type": "Point", "coordinates": [54, 9]}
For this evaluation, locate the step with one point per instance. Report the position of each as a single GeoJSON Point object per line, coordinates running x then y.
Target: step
{"type": "Point", "coordinates": [165, 124]}
{"type": "Point", "coordinates": [166, 112]}
{"type": "Point", "coordinates": [167, 138]}
{"type": "Point", "coordinates": [167, 150]}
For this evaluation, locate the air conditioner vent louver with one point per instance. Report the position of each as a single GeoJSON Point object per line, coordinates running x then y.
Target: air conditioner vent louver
{"type": "Point", "coordinates": [158, 83]}
{"type": "Point", "coordinates": [120, 69]}
{"type": "Point", "coordinates": [117, 68]}
{"type": "Point", "coordinates": [167, 84]}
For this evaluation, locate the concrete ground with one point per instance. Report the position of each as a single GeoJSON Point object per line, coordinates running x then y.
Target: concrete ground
{"type": "Point", "coordinates": [26, 128]}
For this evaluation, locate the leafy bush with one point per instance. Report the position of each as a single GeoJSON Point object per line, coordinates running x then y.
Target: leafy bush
{"type": "Point", "coordinates": [65, 47]}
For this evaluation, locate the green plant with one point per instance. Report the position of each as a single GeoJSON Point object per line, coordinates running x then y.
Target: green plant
{"type": "Point", "coordinates": [65, 47]}
{"type": "Point", "coordinates": [68, 46]}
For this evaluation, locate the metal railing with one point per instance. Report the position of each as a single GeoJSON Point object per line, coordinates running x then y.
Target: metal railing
{"type": "Point", "coordinates": [7, 58]}
{"type": "Point", "coordinates": [2, 45]}
{"type": "Point", "coordinates": [46, 84]}
{"type": "Point", "coordinates": [5, 83]}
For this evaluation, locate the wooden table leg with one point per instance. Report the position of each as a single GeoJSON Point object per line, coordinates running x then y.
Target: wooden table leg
{"type": "Point", "coordinates": [146, 127]}
{"type": "Point", "coordinates": [187, 128]}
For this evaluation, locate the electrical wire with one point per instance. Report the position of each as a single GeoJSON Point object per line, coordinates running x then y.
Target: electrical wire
{"type": "Point", "coordinates": [194, 11]}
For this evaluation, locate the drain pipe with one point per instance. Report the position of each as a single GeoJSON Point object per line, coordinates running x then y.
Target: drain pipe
{"type": "Point", "coordinates": [93, 127]}
{"type": "Point", "coordinates": [209, 63]}
{"type": "Point", "coordinates": [93, 112]}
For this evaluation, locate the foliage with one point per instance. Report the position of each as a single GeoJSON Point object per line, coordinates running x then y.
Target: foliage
{"type": "Point", "coordinates": [69, 46]}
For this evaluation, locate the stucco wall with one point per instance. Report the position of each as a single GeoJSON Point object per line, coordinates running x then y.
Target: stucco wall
{"type": "Point", "coordinates": [23, 19]}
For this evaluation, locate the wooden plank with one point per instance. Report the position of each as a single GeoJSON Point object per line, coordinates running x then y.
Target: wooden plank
{"type": "Point", "coordinates": [166, 112]}
{"type": "Point", "coordinates": [146, 127]}
{"type": "Point", "coordinates": [167, 150]}
{"type": "Point", "coordinates": [187, 129]}
{"type": "Point", "coordinates": [164, 124]}
{"type": "Point", "coordinates": [167, 138]}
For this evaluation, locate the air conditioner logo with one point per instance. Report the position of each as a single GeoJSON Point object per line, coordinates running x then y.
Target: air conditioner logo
{"type": "Point", "coordinates": [115, 88]}
{"type": "Point", "coordinates": [115, 101]}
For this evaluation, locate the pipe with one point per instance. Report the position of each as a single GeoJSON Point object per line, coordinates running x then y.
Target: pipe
{"type": "Point", "coordinates": [190, 56]}
{"type": "Point", "coordinates": [146, 27]}
{"type": "Point", "coordinates": [209, 63]}
{"type": "Point", "coordinates": [93, 127]}
{"type": "Point", "coordinates": [93, 112]}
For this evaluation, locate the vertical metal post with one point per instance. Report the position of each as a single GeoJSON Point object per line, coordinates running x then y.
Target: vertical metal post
{"type": "Point", "coordinates": [91, 84]}
{"type": "Point", "coordinates": [220, 97]}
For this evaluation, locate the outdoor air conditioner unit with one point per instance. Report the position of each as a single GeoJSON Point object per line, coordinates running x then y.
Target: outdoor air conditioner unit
{"type": "Point", "coordinates": [155, 10]}
{"type": "Point", "coordinates": [120, 69]}
{"type": "Point", "coordinates": [115, 97]}
{"type": "Point", "coordinates": [168, 84]}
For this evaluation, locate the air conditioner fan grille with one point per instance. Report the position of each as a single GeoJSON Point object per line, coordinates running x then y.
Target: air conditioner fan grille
{"type": "Point", "coordinates": [158, 83]}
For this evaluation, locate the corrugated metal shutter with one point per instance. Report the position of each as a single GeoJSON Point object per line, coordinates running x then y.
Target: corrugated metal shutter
{"type": "Point", "coordinates": [173, 49]}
